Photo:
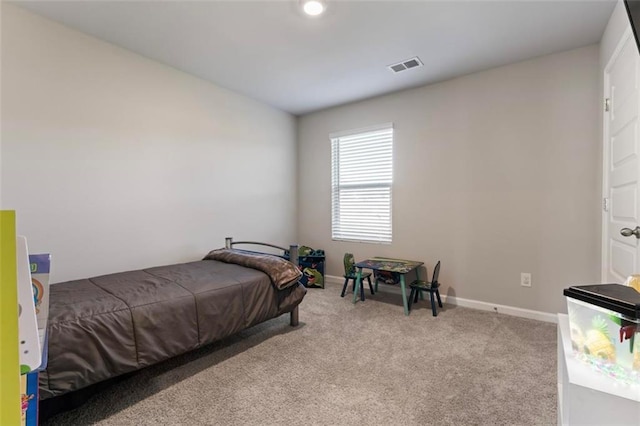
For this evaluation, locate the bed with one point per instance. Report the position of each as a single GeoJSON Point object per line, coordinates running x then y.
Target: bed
{"type": "Point", "coordinates": [107, 326]}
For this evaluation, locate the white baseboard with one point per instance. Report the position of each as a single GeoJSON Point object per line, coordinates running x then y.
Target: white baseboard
{"type": "Point", "coordinates": [503, 309]}
{"type": "Point", "coordinates": [334, 279]}
{"type": "Point", "coordinates": [474, 304]}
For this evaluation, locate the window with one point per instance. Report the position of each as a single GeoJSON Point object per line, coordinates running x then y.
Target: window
{"type": "Point", "coordinates": [361, 178]}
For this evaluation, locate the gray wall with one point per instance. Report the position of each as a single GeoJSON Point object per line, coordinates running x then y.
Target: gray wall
{"type": "Point", "coordinates": [496, 173]}
{"type": "Point", "coordinates": [116, 162]}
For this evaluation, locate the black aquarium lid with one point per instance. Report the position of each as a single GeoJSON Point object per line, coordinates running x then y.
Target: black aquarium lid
{"type": "Point", "coordinates": [615, 297]}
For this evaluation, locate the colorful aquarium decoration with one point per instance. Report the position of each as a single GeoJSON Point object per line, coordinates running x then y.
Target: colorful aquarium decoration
{"type": "Point", "coordinates": [606, 340]}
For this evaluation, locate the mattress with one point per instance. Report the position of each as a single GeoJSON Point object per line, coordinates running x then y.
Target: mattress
{"type": "Point", "coordinates": [110, 325]}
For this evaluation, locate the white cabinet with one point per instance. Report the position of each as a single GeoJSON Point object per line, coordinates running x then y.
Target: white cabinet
{"type": "Point", "coordinates": [588, 397]}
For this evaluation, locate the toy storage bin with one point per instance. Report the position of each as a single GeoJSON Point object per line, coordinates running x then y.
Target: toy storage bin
{"type": "Point", "coordinates": [604, 323]}
{"type": "Point", "coordinates": [311, 264]}
{"type": "Point", "coordinates": [312, 268]}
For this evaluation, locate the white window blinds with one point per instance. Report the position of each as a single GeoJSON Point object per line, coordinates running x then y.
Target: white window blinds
{"type": "Point", "coordinates": [362, 175]}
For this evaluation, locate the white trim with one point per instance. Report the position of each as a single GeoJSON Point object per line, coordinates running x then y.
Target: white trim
{"type": "Point", "coordinates": [604, 218]}
{"type": "Point", "coordinates": [361, 186]}
{"type": "Point", "coordinates": [604, 253]}
{"type": "Point", "coordinates": [475, 304]}
{"type": "Point", "coordinates": [333, 279]}
{"type": "Point", "coordinates": [502, 309]}
{"type": "Point", "coordinates": [618, 49]}
{"type": "Point", "coordinates": [373, 128]}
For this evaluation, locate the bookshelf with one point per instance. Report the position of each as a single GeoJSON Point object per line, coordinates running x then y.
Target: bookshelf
{"type": "Point", "coordinates": [10, 413]}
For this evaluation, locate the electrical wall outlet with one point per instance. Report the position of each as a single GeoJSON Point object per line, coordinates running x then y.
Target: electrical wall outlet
{"type": "Point", "coordinates": [525, 279]}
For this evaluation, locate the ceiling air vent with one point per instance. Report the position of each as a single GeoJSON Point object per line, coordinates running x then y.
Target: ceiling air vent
{"type": "Point", "coordinates": [405, 65]}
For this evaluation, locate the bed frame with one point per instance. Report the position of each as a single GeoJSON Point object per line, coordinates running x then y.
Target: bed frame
{"type": "Point", "coordinates": [290, 254]}
{"type": "Point", "coordinates": [112, 305]}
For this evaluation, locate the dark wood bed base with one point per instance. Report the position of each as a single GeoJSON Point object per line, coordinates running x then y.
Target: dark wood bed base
{"type": "Point", "coordinates": [291, 253]}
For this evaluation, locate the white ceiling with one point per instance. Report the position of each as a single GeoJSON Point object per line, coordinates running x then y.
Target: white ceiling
{"type": "Point", "coordinates": [268, 51]}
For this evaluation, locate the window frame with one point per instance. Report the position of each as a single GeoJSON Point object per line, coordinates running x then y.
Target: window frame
{"type": "Point", "coordinates": [385, 231]}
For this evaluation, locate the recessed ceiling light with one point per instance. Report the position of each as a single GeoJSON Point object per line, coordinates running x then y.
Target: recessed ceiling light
{"type": "Point", "coordinates": [313, 7]}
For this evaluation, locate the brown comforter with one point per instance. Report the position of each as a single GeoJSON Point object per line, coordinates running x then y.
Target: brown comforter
{"type": "Point", "coordinates": [106, 326]}
{"type": "Point", "coordinates": [283, 274]}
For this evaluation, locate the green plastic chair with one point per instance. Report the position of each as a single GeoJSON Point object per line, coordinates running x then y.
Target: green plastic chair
{"type": "Point", "coordinates": [417, 287]}
{"type": "Point", "coordinates": [351, 274]}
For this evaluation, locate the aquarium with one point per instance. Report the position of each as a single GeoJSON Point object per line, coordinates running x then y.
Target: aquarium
{"type": "Point", "coordinates": [605, 329]}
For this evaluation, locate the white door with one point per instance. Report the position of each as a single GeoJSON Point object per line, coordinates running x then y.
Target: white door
{"type": "Point", "coordinates": [621, 172]}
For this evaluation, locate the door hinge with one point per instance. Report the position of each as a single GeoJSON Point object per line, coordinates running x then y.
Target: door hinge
{"type": "Point", "coordinates": [607, 104]}
{"type": "Point", "coordinates": [605, 204]}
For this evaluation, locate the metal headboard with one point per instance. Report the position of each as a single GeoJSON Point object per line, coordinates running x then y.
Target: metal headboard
{"type": "Point", "coordinates": [292, 251]}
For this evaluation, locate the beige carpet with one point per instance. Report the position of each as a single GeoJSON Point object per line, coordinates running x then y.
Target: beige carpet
{"type": "Point", "coordinates": [349, 364]}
